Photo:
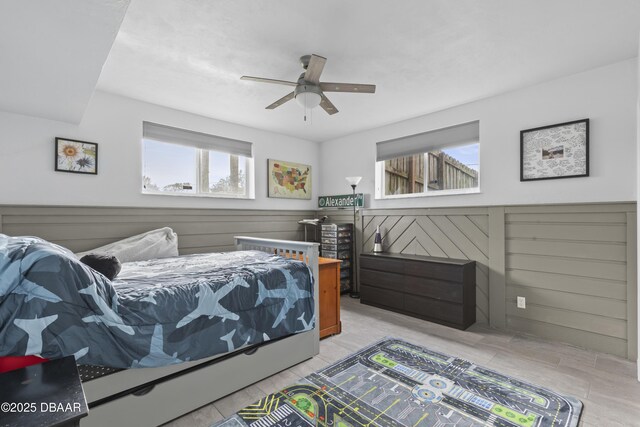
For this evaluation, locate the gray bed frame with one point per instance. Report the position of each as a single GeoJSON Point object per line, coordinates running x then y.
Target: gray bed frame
{"type": "Point", "coordinates": [153, 396]}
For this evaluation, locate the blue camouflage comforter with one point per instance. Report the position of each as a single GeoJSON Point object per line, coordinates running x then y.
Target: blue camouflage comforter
{"type": "Point", "coordinates": [155, 313]}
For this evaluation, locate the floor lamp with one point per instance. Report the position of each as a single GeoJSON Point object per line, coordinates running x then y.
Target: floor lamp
{"type": "Point", "coordinates": [353, 181]}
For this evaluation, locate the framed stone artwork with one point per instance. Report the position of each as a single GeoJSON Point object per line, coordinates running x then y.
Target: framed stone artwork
{"type": "Point", "coordinates": [556, 151]}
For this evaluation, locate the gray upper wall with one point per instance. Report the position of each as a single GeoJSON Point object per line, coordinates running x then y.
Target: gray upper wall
{"type": "Point", "coordinates": [199, 230]}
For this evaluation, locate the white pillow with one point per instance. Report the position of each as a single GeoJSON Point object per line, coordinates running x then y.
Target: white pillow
{"type": "Point", "coordinates": [160, 243]}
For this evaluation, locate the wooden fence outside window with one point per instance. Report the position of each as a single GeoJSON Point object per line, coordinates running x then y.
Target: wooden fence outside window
{"type": "Point", "coordinates": [405, 175]}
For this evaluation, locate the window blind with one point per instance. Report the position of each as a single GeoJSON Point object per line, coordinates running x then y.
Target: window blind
{"type": "Point", "coordinates": [466, 133]}
{"type": "Point", "coordinates": [163, 133]}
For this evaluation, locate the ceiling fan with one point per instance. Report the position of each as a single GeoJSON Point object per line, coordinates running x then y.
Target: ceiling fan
{"type": "Point", "coordinates": [309, 90]}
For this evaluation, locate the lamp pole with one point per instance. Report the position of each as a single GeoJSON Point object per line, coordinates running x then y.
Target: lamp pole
{"type": "Point", "coordinates": [353, 181]}
{"type": "Point", "coordinates": [354, 289]}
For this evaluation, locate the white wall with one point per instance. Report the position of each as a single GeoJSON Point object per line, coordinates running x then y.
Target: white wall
{"type": "Point", "coordinates": [638, 188]}
{"type": "Point", "coordinates": [115, 123]}
{"type": "Point", "coordinates": [607, 96]}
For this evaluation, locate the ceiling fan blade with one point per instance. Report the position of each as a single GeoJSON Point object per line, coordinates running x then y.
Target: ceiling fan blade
{"type": "Point", "coordinates": [279, 102]}
{"type": "Point", "coordinates": [314, 69]}
{"type": "Point", "coordinates": [328, 106]}
{"type": "Point", "coordinates": [263, 80]}
{"type": "Point", "coordinates": [347, 87]}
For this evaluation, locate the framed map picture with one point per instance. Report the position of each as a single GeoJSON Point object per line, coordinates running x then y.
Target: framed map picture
{"type": "Point", "coordinates": [289, 180]}
{"type": "Point", "coordinates": [556, 151]}
{"type": "Point", "coordinates": [76, 156]}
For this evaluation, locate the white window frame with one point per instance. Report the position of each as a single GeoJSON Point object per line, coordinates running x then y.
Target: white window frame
{"type": "Point", "coordinates": [380, 183]}
{"type": "Point", "coordinates": [200, 149]}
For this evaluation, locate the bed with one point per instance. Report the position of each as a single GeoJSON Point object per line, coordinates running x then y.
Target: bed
{"type": "Point", "coordinates": [240, 355]}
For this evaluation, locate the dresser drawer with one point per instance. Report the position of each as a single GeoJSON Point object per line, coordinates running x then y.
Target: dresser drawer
{"type": "Point", "coordinates": [336, 228]}
{"type": "Point", "coordinates": [382, 279]}
{"type": "Point", "coordinates": [441, 271]}
{"type": "Point", "coordinates": [335, 240]}
{"type": "Point", "coordinates": [381, 297]}
{"type": "Point", "coordinates": [336, 247]}
{"type": "Point", "coordinates": [382, 264]}
{"type": "Point", "coordinates": [436, 289]}
{"type": "Point", "coordinates": [335, 254]}
{"type": "Point", "coordinates": [434, 309]}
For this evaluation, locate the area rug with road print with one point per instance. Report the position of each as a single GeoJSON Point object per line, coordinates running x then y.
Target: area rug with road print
{"type": "Point", "coordinates": [396, 383]}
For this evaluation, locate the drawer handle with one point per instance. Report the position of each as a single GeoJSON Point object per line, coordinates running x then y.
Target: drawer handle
{"type": "Point", "coordinates": [144, 391]}
{"type": "Point", "coordinates": [251, 352]}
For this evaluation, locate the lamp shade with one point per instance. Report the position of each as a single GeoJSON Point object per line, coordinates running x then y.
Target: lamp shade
{"type": "Point", "coordinates": [308, 99]}
{"type": "Point", "coordinates": [353, 180]}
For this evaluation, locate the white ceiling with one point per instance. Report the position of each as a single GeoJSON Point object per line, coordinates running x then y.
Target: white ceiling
{"type": "Point", "coordinates": [52, 53]}
{"type": "Point", "coordinates": [423, 55]}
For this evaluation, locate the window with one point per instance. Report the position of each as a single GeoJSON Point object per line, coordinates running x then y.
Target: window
{"type": "Point", "coordinates": [178, 161]}
{"type": "Point", "coordinates": [444, 161]}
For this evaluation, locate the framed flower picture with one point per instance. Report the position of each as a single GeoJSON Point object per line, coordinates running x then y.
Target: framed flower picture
{"type": "Point", "coordinates": [76, 156]}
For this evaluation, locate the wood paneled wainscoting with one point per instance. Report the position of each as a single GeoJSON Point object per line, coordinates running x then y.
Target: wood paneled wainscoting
{"type": "Point", "coordinates": [574, 264]}
{"type": "Point", "coordinates": [199, 230]}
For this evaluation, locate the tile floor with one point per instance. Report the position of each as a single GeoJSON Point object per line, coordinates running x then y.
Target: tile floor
{"type": "Point", "coordinates": [606, 384]}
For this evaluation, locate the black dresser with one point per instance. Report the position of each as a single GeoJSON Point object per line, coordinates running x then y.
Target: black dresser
{"type": "Point", "coordinates": [441, 290]}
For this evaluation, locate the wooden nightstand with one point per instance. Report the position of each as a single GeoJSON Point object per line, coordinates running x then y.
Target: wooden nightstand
{"type": "Point", "coordinates": [329, 296]}
{"type": "Point", "coordinates": [329, 284]}
{"type": "Point", "coordinates": [49, 394]}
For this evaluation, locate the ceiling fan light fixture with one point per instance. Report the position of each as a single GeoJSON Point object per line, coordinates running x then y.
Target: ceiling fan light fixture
{"type": "Point", "coordinates": [309, 90]}
{"type": "Point", "coordinates": [308, 99]}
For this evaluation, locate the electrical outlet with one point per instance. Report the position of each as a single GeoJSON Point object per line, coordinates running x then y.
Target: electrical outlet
{"type": "Point", "coordinates": [522, 302]}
